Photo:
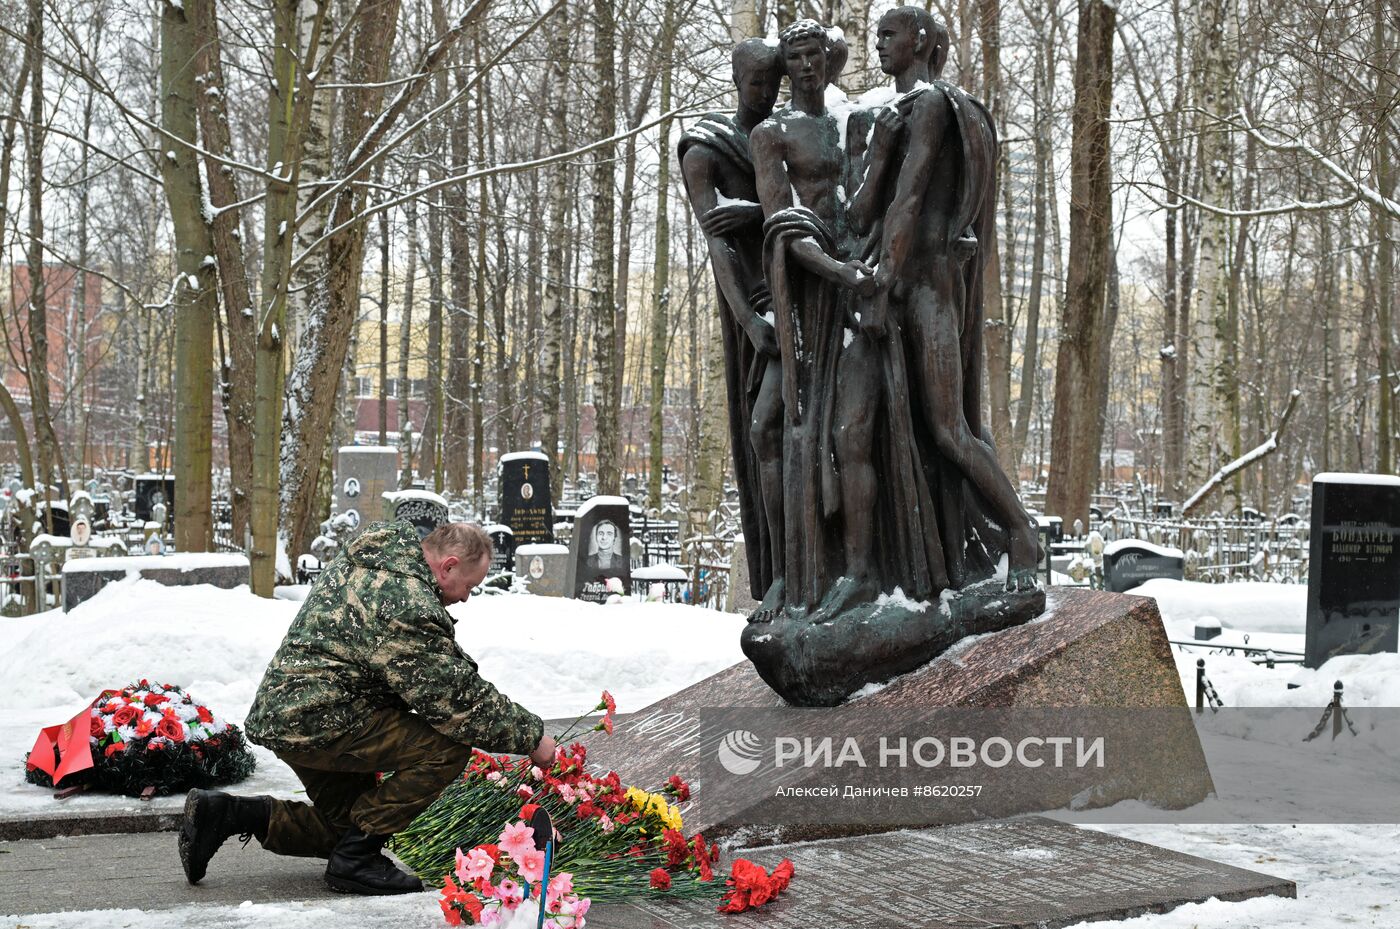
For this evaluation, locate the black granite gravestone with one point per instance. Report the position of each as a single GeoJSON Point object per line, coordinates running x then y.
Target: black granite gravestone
{"type": "Point", "coordinates": [1353, 567]}
{"type": "Point", "coordinates": [152, 489]}
{"type": "Point", "coordinates": [526, 503]}
{"type": "Point", "coordinates": [1129, 562]}
{"type": "Point", "coordinates": [425, 509]}
{"type": "Point", "coordinates": [600, 548]}
{"type": "Point", "coordinates": [502, 547]}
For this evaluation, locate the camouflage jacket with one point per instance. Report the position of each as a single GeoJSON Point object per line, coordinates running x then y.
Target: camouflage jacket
{"type": "Point", "coordinates": [373, 634]}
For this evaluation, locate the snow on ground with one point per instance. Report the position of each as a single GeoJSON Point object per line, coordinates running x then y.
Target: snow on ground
{"type": "Point", "coordinates": [555, 655]}
{"type": "Point", "coordinates": [552, 654]}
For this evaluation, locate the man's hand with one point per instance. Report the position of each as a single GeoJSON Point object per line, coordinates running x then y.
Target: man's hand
{"type": "Point", "coordinates": [543, 755]}
{"type": "Point", "coordinates": [764, 338]}
{"type": "Point", "coordinates": [728, 217]}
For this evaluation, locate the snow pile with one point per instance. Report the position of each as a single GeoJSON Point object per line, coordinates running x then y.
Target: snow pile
{"type": "Point", "coordinates": [1245, 607]}
{"type": "Point", "coordinates": [551, 654]}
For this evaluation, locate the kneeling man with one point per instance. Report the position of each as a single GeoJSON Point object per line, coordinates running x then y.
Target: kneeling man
{"type": "Point", "coordinates": [369, 679]}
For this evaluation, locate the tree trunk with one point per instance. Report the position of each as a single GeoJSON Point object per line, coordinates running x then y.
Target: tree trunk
{"type": "Point", "coordinates": [239, 314]}
{"type": "Point", "coordinates": [661, 276]}
{"type": "Point", "coordinates": [997, 329]}
{"type": "Point", "coordinates": [1385, 67]}
{"type": "Point", "coordinates": [1078, 387]}
{"type": "Point", "coordinates": [604, 304]}
{"type": "Point", "coordinates": [556, 268]}
{"type": "Point", "coordinates": [401, 390]}
{"type": "Point", "coordinates": [37, 367]}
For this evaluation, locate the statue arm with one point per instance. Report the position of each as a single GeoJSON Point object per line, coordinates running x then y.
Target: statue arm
{"type": "Point", "coordinates": [775, 194]}
{"type": "Point", "coordinates": [700, 181]}
{"type": "Point", "coordinates": [927, 121]}
{"type": "Point", "coordinates": [865, 203]}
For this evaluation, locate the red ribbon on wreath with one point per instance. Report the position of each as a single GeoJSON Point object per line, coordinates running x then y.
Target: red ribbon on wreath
{"type": "Point", "coordinates": [69, 741]}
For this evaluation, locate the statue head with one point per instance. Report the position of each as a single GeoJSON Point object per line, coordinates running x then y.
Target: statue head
{"type": "Point", "coordinates": [907, 37]}
{"type": "Point", "coordinates": [804, 46]}
{"type": "Point", "coordinates": [758, 74]}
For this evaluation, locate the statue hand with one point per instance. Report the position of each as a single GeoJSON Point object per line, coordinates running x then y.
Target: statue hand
{"type": "Point", "coordinates": [887, 126]}
{"type": "Point", "coordinates": [764, 338]}
{"type": "Point", "coordinates": [728, 217]}
{"type": "Point", "coordinates": [872, 318]}
{"type": "Point", "coordinates": [858, 276]}
{"type": "Point", "coordinates": [965, 246]}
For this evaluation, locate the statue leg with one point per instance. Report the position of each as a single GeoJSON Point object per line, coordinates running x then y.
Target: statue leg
{"type": "Point", "coordinates": [766, 435]}
{"type": "Point", "coordinates": [858, 396]}
{"type": "Point", "coordinates": [933, 319]}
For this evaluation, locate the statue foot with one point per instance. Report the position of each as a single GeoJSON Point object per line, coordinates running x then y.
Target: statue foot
{"type": "Point", "coordinates": [772, 603]}
{"type": "Point", "coordinates": [846, 593]}
{"type": "Point", "coordinates": [1023, 560]}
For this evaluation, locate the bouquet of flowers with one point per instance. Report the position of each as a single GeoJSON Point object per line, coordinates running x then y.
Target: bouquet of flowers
{"type": "Point", "coordinates": [620, 842]}
{"type": "Point", "coordinates": [154, 739]}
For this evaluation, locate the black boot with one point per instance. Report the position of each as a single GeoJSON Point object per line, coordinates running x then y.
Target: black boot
{"type": "Point", "coordinates": [211, 816]}
{"type": "Point", "coordinates": [357, 866]}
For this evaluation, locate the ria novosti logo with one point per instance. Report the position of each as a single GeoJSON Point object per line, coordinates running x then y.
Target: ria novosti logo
{"type": "Point", "coordinates": [739, 752]}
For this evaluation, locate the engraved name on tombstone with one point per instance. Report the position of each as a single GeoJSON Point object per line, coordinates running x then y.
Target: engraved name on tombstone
{"type": "Point", "coordinates": [1353, 567]}
{"type": "Point", "coordinates": [526, 502]}
{"type": "Point", "coordinates": [1129, 562]}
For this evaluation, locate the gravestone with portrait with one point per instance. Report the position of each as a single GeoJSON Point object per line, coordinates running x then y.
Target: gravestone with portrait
{"type": "Point", "coordinates": [1130, 562]}
{"type": "Point", "coordinates": [363, 473]}
{"type": "Point", "coordinates": [600, 548]}
{"type": "Point", "coordinates": [1353, 567]}
{"type": "Point", "coordinates": [527, 506]}
{"type": "Point", "coordinates": [502, 546]}
{"type": "Point", "coordinates": [425, 509]}
{"type": "Point", "coordinates": [543, 568]}
{"type": "Point", "coordinates": [154, 490]}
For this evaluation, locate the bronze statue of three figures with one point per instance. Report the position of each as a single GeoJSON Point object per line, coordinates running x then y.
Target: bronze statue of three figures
{"type": "Point", "coordinates": [846, 242]}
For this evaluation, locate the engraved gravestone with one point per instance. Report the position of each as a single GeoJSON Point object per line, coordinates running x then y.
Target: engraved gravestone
{"type": "Point", "coordinates": [1353, 567]}
{"type": "Point", "coordinates": [600, 548]}
{"type": "Point", "coordinates": [502, 546]}
{"type": "Point", "coordinates": [425, 509]}
{"type": "Point", "coordinates": [526, 504]}
{"type": "Point", "coordinates": [543, 568]}
{"type": "Point", "coordinates": [362, 475]}
{"type": "Point", "coordinates": [1130, 562]}
{"type": "Point", "coordinates": [1032, 872]}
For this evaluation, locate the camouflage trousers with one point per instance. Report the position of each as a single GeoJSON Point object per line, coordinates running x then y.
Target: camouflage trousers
{"type": "Point", "coordinates": [340, 782]}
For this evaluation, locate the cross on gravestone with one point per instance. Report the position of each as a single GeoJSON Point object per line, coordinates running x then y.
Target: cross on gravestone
{"type": "Point", "coordinates": [1129, 562]}
{"type": "Point", "coordinates": [502, 546]}
{"type": "Point", "coordinates": [1353, 567]}
{"type": "Point", "coordinates": [600, 548]}
{"type": "Point", "coordinates": [362, 474]}
{"type": "Point", "coordinates": [423, 508]}
{"type": "Point", "coordinates": [527, 505]}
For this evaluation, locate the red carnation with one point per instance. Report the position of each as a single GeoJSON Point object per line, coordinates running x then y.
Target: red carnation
{"type": "Point", "coordinates": [204, 715]}
{"type": "Point", "coordinates": [126, 715]}
{"type": "Point", "coordinates": [155, 700]}
{"type": "Point", "coordinates": [95, 728]}
{"type": "Point", "coordinates": [660, 880]}
{"type": "Point", "coordinates": [608, 703]}
{"type": "Point", "coordinates": [528, 810]}
{"type": "Point", "coordinates": [114, 748]}
{"type": "Point", "coordinates": [782, 876]}
{"type": "Point", "coordinates": [680, 788]}
{"type": "Point", "coordinates": [676, 849]}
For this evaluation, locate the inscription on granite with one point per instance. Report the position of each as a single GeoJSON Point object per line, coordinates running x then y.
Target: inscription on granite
{"type": "Point", "coordinates": [502, 546]}
{"type": "Point", "coordinates": [526, 503]}
{"type": "Point", "coordinates": [600, 548]}
{"type": "Point", "coordinates": [425, 509]}
{"type": "Point", "coordinates": [1353, 567]}
{"type": "Point", "coordinates": [1130, 562]}
{"type": "Point", "coordinates": [999, 875]}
